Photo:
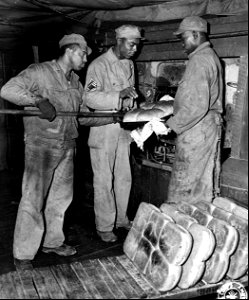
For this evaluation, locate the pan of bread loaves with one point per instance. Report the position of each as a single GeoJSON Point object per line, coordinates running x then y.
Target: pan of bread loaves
{"type": "Point", "coordinates": [148, 111]}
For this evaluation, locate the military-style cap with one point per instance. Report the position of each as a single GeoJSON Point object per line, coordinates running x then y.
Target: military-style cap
{"type": "Point", "coordinates": [128, 32]}
{"type": "Point", "coordinates": [75, 39]}
{"type": "Point", "coordinates": [193, 23]}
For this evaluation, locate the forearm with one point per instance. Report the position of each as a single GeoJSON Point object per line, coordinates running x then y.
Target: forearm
{"type": "Point", "coordinates": [192, 99]}
{"type": "Point", "coordinates": [99, 100]}
{"type": "Point", "coordinates": [95, 122]}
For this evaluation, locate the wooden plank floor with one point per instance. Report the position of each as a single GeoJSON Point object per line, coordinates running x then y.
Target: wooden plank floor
{"type": "Point", "coordinates": [105, 278]}
{"type": "Point", "coordinates": [98, 271]}
{"type": "Point", "coordinates": [79, 228]}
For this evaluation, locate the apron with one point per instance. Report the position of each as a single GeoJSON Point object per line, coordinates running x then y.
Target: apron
{"type": "Point", "coordinates": [196, 168]}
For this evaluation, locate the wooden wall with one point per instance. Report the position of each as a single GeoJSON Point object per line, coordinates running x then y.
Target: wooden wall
{"type": "Point", "coordinates": [234, 177]}
{"type": "Point", "coordinates": [229, 36]}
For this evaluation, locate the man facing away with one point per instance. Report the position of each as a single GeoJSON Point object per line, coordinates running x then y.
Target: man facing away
{"type": "Point", "coordinates": [47, 187]}
{"type": "Point", "coordinates": [110, 86]}
{"type": "Point", "coordinates": [197, 118]}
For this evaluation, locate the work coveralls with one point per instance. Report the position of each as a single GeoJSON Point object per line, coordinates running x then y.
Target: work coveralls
{"type": "Point", "coordinates": [109, 144]}
{"type": "Point", "coordinates": [197, 121]}
{"type": "Point", "coordinates": [47, 187]}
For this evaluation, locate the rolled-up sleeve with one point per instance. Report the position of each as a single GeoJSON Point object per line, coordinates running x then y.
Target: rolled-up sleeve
{"type": "Point", "coordinates": [20, 89]}
{"type": "Point", "coordinates": [193, 96]}
{"type": "Point", "coordinates": [96, 96]}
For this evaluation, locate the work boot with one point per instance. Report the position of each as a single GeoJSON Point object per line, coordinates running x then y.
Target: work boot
{"type": "Point", "coordinates": [127, 226]}
{"type": "Point", "coordinates": [63, 250]}
{"type": "Point", "coordinates": [108, 236]}
{"type": "Point", "coordinates": [23, 264]}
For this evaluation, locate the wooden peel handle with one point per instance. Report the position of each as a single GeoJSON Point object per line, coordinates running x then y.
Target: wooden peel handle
{"type": "Point", "coordinates": [33, 113]}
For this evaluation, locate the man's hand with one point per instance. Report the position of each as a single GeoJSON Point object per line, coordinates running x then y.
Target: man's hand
{"type": "Point", "coordinates": [47, 109]}
{"type": "Point", "coordinates": [129, 92]}
{"type": "Point", "coordinates": [159, 127]}
{"type": "Point", "coordinates": [127, 104]}
{"type": "Point", "coordinates": [117, 119]}
{"type": "Point", "coordinates": [127, 97]}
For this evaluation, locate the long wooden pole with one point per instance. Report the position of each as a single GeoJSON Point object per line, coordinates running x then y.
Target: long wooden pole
{"type": "Point", "coordinates": [33, 113]}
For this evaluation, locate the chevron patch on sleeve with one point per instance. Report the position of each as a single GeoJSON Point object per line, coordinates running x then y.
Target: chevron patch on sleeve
{"type": "Point", "coordinates": [92, 86]}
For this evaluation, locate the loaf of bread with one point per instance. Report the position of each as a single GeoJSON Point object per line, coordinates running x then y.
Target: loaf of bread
{"type": "Point", "coordinates": [147, 105]}
{"type": "Point", "coordinates": [149, 114]}
{"type": "Point", "coordinates": [132, 240]}
{"type": "Point", "coordinates": [226, 242]}
{"type": "Point", "coordinates": [164, 276]}
{"type": "Point", "coordinates": [180, 218]}
{"type": "Point", "coordinates": [148, 111]}
{"type": "Point", "coordinates": [216, 267]}
{"type": "Point", "coordinates": [239, 264]}
{"type": "Point", "coordinates": [213, 210]}
{"type": "Point", "coordinates": [224, 203]}
{"type": "Point", "coordinates": [203, 246]}
{"type": "Point", "coordinates": [175, 243]}
{"type": "Point", "coordinates": [185, 207]}
{"type": "Point", "coordinates": [143, 215]}
{"type": "Point", "coordinates": [239, 260]}
{"type": "Point", "coordinates": [241, 212]}
{"type": "Point", "coordinates": [132, 115]}
{"type": "Point", "coordinates": [205, 206]}
{"type": "Point", "coordinates": [229, 206]}
{"type": "Point", "coordinates": [166, 106]}
{"type": "Point", "coordinates": [135, 234]}
{"type": "Point", "coordinates": [158, 247]}
{"type": "Point", "coordinates": [143, 254]}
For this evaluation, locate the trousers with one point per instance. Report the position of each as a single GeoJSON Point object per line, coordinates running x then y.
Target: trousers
{"type": "Point", "coordinates": [112, 183]}
{"type": "Point", "coordinates": [47, 191]}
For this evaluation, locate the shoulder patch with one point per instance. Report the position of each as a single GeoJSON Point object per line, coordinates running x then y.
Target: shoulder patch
{"type": "Point", "coordinates": [92, 86]}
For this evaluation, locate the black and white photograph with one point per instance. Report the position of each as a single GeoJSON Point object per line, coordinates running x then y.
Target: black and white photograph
{"type": "Point", "coordinates": [123, 149]}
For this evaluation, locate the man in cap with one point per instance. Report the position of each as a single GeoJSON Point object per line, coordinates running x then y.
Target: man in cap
{"type": "Point", "coordinates": [110, 86]}
{"type": "Point", "coordinates": [197, 118]}
{"type": "Point", "coordinates": [47, 187]}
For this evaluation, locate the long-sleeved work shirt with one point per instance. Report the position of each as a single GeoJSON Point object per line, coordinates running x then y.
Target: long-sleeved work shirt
{"type": "Point", "coordinates": [197, 122]}
{"type": "Point", "coordinates": [199, 91]}
{"type": "Point", "coordinates": [106, 77]}
{"type": "Point", "coordinates": [48, 80]}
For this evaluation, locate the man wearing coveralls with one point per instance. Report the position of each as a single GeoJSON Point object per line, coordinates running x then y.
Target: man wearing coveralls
{"type": "Point", "coordinates": [110, 86]}
{"type": "Point", "coordinates": [197, 118]}
{"type": "Point", "coordinates": [47, 188]}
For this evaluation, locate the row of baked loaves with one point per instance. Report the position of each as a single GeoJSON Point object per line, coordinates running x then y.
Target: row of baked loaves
{"type": "Point", "coordinates": [180, 244]}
